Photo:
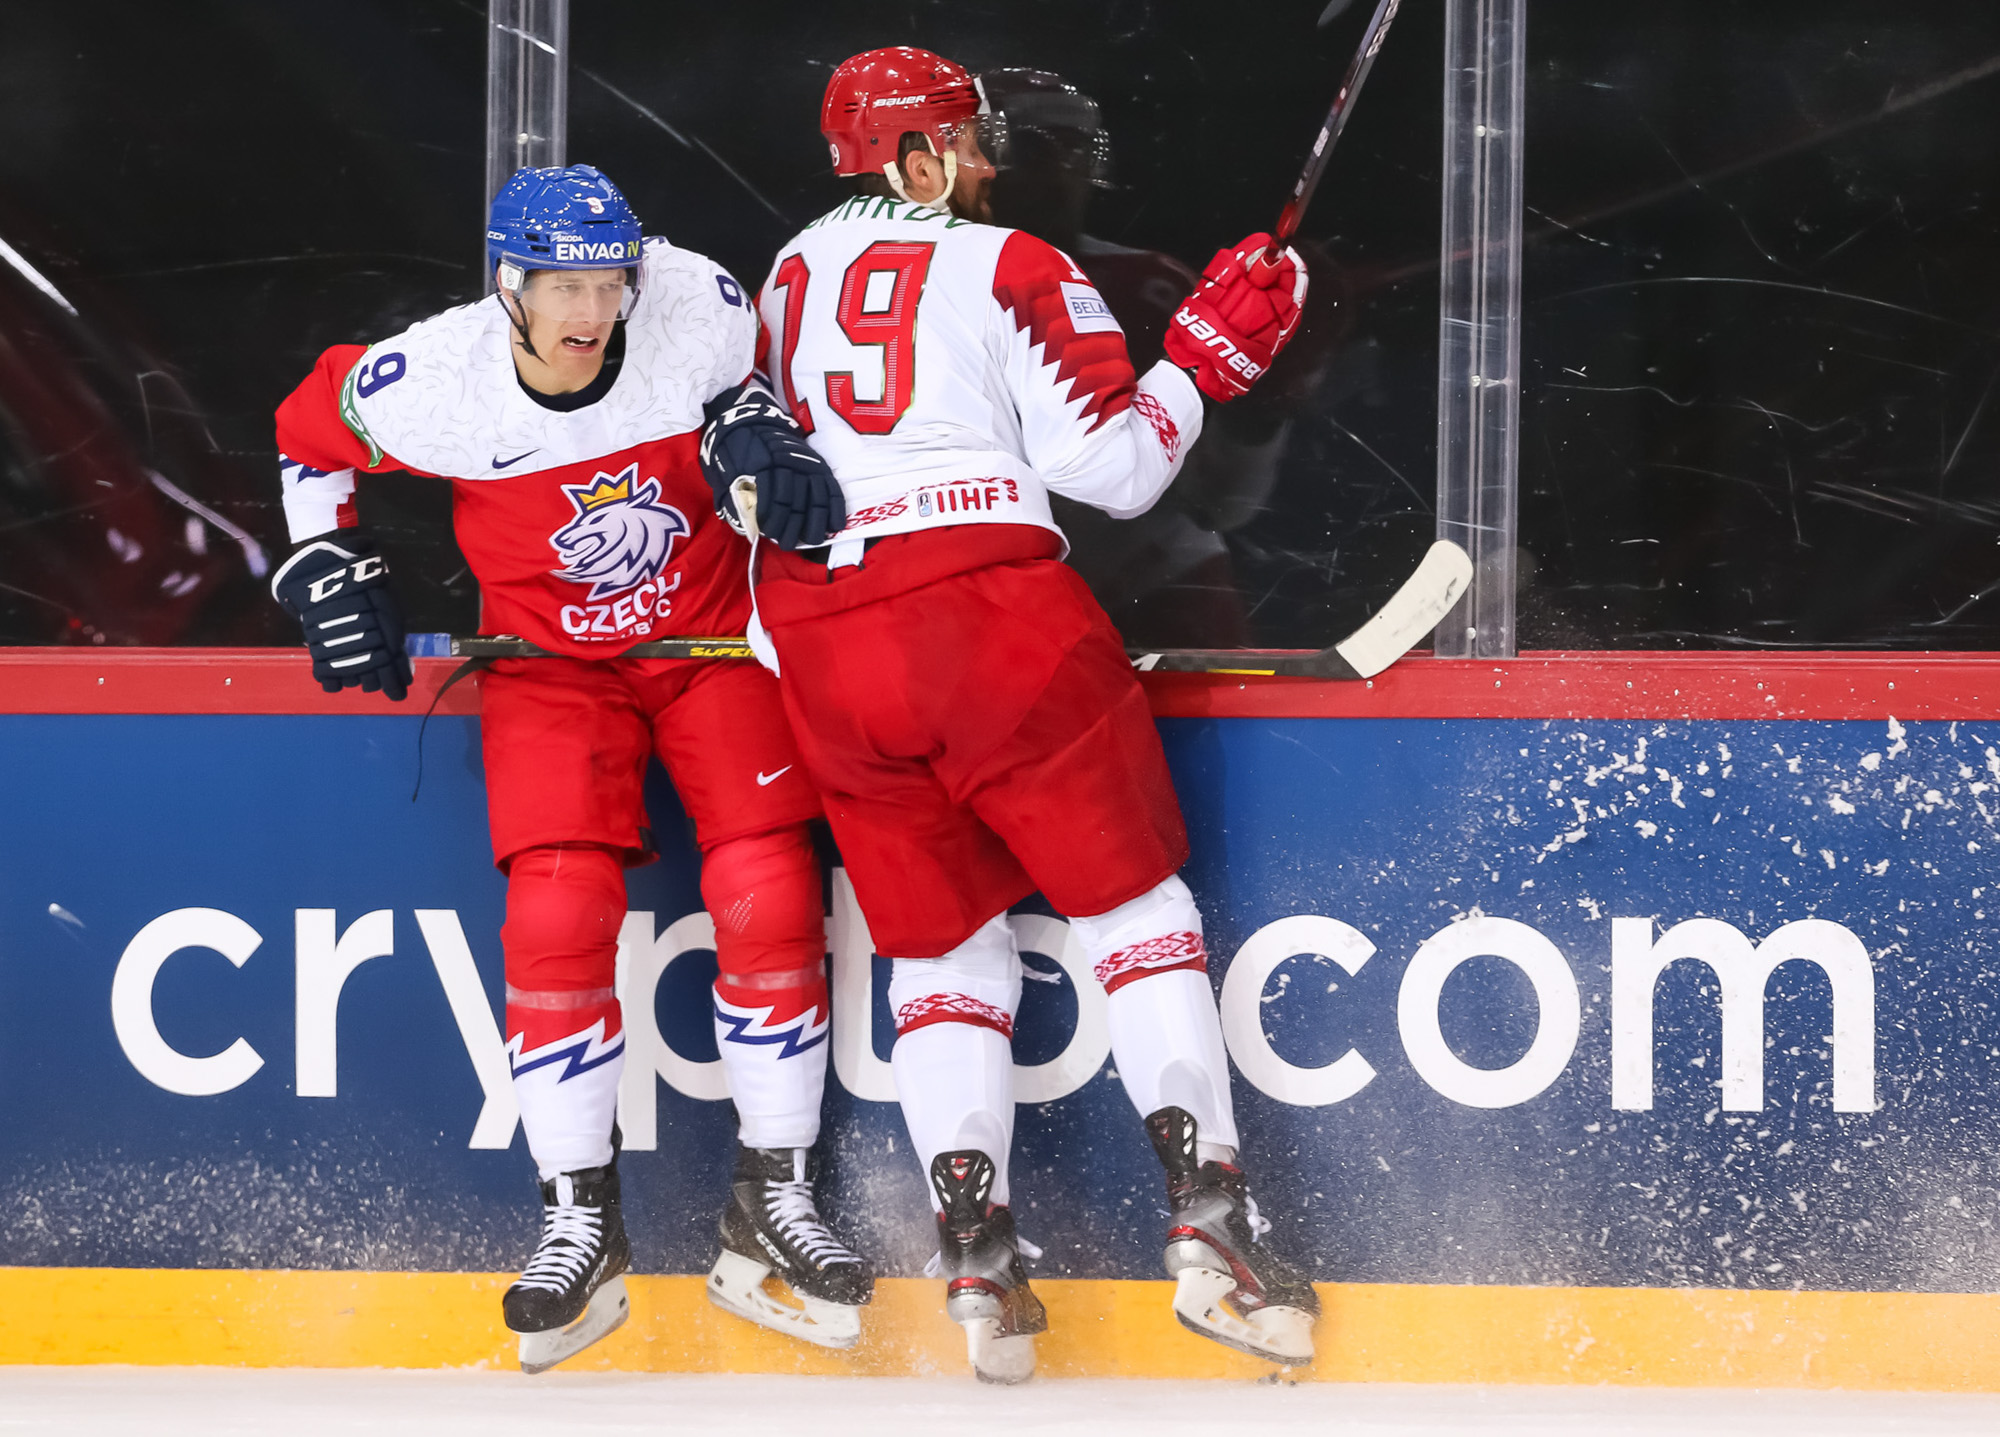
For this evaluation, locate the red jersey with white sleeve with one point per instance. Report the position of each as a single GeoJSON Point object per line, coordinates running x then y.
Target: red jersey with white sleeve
{"type": "Point", "coordinates": [589, 530]}
{"type": "Point", "coordinates": [955, 373]}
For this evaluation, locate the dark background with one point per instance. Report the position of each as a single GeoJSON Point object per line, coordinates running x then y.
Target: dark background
{"type": "Point", "coordinates": [1762, 324]}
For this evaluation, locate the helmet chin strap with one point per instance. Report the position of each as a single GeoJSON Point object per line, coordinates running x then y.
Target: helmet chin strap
{"type": "Point", "coordinates": [517, 313]}
{"type": "Point", "coordinates": [894, 171]}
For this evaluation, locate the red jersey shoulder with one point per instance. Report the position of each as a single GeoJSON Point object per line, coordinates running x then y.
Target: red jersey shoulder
{"type": "Point", "coordinates": [311, 428]}
{"type": "Point", "coordinates": [1059, 311]}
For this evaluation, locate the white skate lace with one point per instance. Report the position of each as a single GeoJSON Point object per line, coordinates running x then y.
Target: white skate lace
{"type": "Point", "coordinates": [569, 1244]}
{"type": "Point", "coordinates": [790, 1207]}
{"type": "Point", "coordinates": [1259, 1224]}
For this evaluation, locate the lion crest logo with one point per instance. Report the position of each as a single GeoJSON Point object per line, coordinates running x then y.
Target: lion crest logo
{"type": "Point", "coordinates": [622, 534]}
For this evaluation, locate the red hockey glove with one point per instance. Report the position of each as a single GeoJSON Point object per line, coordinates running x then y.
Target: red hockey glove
{"type": "Point", "coordinates": [1228, 331]}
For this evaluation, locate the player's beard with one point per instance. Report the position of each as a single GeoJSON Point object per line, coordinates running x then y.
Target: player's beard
{"type": "Point", "coordinates": [972, 198]}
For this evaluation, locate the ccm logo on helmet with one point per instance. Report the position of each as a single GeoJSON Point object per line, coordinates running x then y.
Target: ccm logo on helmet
{"type": "Point", "coordinates": [616, 250]}
{"type": "Point", "coordinates": [1211, 338]}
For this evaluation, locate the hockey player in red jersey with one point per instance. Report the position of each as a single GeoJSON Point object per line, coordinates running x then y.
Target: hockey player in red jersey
{"type": "Point", "coordinates": [566, 412]}
{"type": "Point", "coordinates": [961, 700]}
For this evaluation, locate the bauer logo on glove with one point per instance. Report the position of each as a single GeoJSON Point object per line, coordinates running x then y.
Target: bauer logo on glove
{"type": "Point", "coordinates": [1209, 337]}
{"type": "Point", "coordinates": [1248, 307]}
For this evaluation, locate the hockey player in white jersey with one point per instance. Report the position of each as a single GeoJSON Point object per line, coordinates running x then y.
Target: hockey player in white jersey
{"type": "Point", "coordinates": [566, 411]}
{"type": "Point", "coordinates": [962, 702]}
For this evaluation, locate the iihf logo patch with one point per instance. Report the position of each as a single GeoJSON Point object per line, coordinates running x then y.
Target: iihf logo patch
{"type": "Point", "coordinates": [622, 534]}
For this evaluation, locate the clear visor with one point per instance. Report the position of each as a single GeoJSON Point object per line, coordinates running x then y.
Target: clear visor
{"type": "Point", "coordinates": [1051, 127]}
{"type": "Point", "coordinates": [990, 128]}
{"type": "Point", "coordinates": [574, 296]}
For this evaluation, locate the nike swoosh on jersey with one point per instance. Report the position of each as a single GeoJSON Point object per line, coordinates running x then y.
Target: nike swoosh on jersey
{"type": "Point", "coordinates": [498, 463]}
{"type": "Point", "coordinates": [765, 778]}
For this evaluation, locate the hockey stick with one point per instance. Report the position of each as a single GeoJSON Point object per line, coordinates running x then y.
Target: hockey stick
{"type": "Point", "coordinates": [1428, 594]}
{"type": "Point", "coordinates": [1336, 121]}
{"type": "Point", "coordinates": [1412, 611]}
{"type": "Point", "coordinates": [509, 646]}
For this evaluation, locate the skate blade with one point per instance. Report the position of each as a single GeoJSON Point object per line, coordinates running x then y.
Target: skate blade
{"type": "Point", "coordinates": [1276, 1334]}
{"type": "Point", "coordinates": [608, 1309]}
{"type": "Point", "coordinates": [736, 1285]}
{"type": "Point", "coordinates": [998, 1359]}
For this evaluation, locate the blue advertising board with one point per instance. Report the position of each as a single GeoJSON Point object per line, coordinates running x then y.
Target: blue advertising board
{"type": "Point", "coordinates": [1512, 1001]}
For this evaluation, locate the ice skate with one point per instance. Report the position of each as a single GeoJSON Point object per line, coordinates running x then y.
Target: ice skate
{"type": "Point", "coordinates": [1231, 1288]}
{"type": "Point", "coordinates": [572, 1292]}
{"type": "Point", "coordinates": [987, 1290]}
{"type": "Point", "coordinates": [773, 1229]}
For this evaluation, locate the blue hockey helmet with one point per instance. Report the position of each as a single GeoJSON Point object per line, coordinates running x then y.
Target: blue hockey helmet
{"type": "Point", "coordinates": [561, 218]}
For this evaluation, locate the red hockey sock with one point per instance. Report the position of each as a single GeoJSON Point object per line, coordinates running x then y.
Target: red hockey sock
{"type": "Point", "coordinates": [565, 1038]}
{"type": "Point", "coordinates": [564, 908]}
{"type": "Point", "coordinates": [771, 1011]}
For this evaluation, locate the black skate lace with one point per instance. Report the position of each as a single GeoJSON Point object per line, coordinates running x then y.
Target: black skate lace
{"type": "Point", "coordinates": [791, 1210]}
{"type": "Point", "coordinates": [570, 1239]}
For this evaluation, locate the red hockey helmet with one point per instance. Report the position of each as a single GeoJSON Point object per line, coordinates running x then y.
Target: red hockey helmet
{"type": "Point", "coordinates": [874, 98]}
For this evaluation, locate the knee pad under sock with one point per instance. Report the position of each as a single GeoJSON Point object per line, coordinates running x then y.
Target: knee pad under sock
{"type": "Point", "coordinates": [954, 1054]}
{"type": "Point", "coordinates": [1166, 1036]}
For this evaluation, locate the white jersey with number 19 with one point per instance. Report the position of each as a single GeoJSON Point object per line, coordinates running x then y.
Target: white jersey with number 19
{"type": "Point", "coordinates": [954, 373]}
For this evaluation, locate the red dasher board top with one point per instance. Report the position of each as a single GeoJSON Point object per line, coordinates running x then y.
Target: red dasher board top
{"type": "Point", "coordinates": [1626, 685]}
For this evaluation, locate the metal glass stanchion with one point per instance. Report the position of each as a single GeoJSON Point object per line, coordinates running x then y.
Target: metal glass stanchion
{"type": "Point", "coordinates": [1480, 316]}
{"type": "Point", "coordinates": [527, 89]}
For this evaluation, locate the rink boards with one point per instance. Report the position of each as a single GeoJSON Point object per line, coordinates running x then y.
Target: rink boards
{"type": "Point", "coordinates": [1595, 1018]}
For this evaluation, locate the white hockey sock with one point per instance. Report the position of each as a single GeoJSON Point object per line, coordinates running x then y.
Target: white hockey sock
{"type": "Point", "coordinates": [954, 1054]}
{"type": "Point", "coordinates": [773, 1048]}
{"type": "Point", "coordinates": [568, 1092]}
{"type": "Point", "coordinates": [1166, 1037]}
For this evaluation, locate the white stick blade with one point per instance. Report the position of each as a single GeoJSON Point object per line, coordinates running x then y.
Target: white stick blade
{"type": "Point", "coordinates": [1412, 611]}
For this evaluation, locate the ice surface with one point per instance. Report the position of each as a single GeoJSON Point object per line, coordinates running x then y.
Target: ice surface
{"type": "Point", "coordinates": [217, 1402]}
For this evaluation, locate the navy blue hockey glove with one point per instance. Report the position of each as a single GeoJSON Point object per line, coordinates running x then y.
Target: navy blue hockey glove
{"type": "Point", "coordinates": [337, 587]}
{"type": "Point", "coordinates": [750, 436]}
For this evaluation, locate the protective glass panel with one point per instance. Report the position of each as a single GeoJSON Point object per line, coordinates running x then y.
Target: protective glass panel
{"type": "Point", "coordinates": [1758, 341]}
{"type": "Point", "coordinates": [1138, 139]}
{"type": "Point", "coordinates": [1761, 326]}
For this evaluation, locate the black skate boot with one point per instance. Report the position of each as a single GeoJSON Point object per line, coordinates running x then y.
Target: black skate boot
{"type": "Point", "coordinates": [573, 1290]}
{"type": "Point", "coordinates": [986, 1290]}
{"type": "Point", "coordinates": [772, 1227]}
{"type": "Point", "coordinates": [1232, 1288]}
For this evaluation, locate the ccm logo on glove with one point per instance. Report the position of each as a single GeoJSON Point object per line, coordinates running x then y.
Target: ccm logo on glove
{"type": "Point", "coordinates": [360, 571]}
{"type": "Point", "coordinates": [337, 587]}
